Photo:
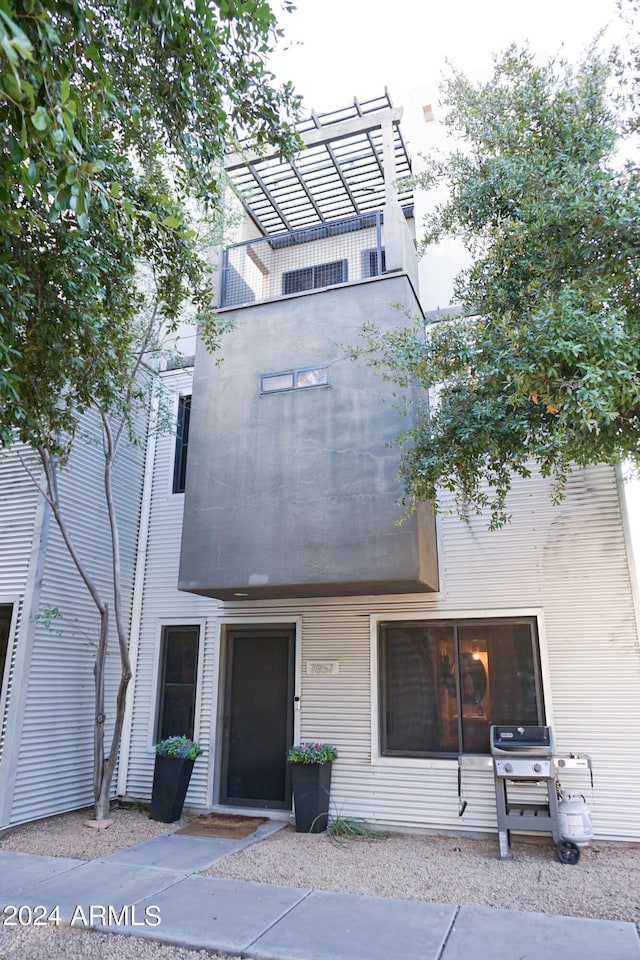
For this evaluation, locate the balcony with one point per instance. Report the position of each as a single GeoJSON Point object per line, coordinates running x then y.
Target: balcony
{"type": "Point", "coordinates": [292, 487]}
{"type": "Point", "coordinates": [324, 255]}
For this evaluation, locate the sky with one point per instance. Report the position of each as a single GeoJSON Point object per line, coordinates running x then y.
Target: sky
{"type": "Point", "coordinates": [335, 50]}
{"type": "Point", "coordinates": [338, 49]}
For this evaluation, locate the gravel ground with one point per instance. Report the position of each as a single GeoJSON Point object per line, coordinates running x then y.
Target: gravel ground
{"type": "Point", "coordinates": [605, 883]}
{"type": "Point", "coordinates": [70, 943]}
{"type": "Point", "coordinates": [66, 835]}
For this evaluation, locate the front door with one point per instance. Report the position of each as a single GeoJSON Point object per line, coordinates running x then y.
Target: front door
{"type": "Point", "coordinates": [258, 717]}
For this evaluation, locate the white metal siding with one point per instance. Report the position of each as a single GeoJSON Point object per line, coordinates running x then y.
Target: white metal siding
{"type": "Point", "coordinates": [18, 502]}
{"type": "Point", "coordinates": [54, 766]}
{"type": "Point", "coordinates": [570, 560]}
{"type": "Point", "coordinates": [18, 506]}
{"type": "Point", "coordinates": [163, 603]}
{"type": "Point", "coordinates": [566, 562]}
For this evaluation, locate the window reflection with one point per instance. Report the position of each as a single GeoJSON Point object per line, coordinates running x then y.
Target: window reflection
{"type": "Point", "coordinates": [443, 685]}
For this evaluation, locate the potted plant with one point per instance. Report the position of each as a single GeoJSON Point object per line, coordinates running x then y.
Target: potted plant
{"type": "Point", "coordinates": [175, 757]}
{"type": "Point", "coordinates": [311, 780]}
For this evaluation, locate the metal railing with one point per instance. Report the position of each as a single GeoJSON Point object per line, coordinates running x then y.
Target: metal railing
{"type": "Point", "coordinates": [325, 255]}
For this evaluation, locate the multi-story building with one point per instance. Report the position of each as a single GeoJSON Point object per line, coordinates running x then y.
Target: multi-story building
{"type": "Point", "coordinates": [281, 592]}
{"type": "Point", "coordinates": [300, 604]}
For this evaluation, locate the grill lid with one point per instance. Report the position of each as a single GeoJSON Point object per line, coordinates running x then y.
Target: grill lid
{"type": "Point", "coordinates": [526, 739]}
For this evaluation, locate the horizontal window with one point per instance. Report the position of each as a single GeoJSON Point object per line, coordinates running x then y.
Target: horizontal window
{"type": "Point", "coordinates": [442, 684]}
{"type": "Point", "coordinates": [296, 379]}
{"type": "Point", "coordinates": [311, 278]}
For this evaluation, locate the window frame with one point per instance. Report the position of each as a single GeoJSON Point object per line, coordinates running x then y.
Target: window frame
{"type": "Point", "coordinates": [158, 693]}
{"type": "Point", "coordinates": [181, 445]}
{"type": "Point", "coordinates": [374, 262]}
{"type": "Point", "coordinates": [12, 603]}
{"type": "Point", "coordinates": [535, 616]}
{"type": "Point", "coordinates": [294, 373]}
{"type": "Point", "coordinates": [316, 276]}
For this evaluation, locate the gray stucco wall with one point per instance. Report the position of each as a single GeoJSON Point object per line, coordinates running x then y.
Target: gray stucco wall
{"type": "Point", "coordinates": [293, 493]}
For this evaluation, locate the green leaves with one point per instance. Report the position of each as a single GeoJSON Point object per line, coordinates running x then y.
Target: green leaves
{"type": "Point", "coordinates": [98, 98]}
{"type": "Point", "coordinates": [14, 42]}
{"type": "Point", "coordinates": [181, 747]}
{"type": "Point", "coordinates": [544, 363]}
{"type": "Point", "coordinates": [40, 119]}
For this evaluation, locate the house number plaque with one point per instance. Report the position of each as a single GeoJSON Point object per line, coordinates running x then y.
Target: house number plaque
{"type": "Point", "coordinates": [323, 668]}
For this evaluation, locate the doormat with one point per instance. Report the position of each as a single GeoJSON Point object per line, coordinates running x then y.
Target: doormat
{"type": "Point", "coordinates": [228, 826]}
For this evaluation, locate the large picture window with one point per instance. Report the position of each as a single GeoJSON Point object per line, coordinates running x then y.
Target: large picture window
{"type": "Point", "coordinates": [443, 683]}
{"type": "Point", "coordinates": [179, 668]}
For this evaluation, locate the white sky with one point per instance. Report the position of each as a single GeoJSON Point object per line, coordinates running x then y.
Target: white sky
{"type": "Point", "coordinates": [334, 50]}
{"type": "Point", "coordinates": [347, 48]}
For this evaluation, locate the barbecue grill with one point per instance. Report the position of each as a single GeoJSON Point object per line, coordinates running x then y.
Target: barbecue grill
{"type": "Point", "coordinates": [523, 757]}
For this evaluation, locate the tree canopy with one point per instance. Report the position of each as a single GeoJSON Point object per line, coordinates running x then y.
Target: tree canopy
{"type": "Point", "coordinates": [542, 363]}
{"type": "Point", "coordinates": [113, 113]}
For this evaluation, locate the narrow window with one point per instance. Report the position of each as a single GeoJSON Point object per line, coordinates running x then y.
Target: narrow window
{"type": "Point", "coordinates": [5, 625]}
{"type": "Point", "coordinates": [178, 678]}
{"type": "Point", "coordinates": [374, 263]}
{"type": "Point", "coordinates": [443, 684]}
{"type": "Point", "coordinates": [182, 444]}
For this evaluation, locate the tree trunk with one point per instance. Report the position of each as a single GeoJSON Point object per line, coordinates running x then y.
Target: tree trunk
{"type": "Point", "coordinates": [103, 768]}
{"type": "Point", "coordinates": [98, 726]}
{"type": "Point", "coordinates": [108, 764]}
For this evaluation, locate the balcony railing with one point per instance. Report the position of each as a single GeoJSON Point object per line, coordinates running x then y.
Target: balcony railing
{"type": "Point", "coordinates": [325, 255]}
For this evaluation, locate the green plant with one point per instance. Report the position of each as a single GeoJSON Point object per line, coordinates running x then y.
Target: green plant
{"type": "Point", "coordinates": [312, 753]}
{"type": "Point", "coordinates": [540, 359]}
{"type": "Point", "coordinates": [134, 806]}
{"type": "Point", "coordinates": [347, 828]}
{"type": "Point", "coordinates": [181, 747]}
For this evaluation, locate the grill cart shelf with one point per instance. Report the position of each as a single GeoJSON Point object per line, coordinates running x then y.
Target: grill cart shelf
{"type": "Point", "coordinates": [525, 755]}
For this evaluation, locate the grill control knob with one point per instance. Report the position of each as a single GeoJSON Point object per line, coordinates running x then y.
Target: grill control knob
{"type": "Point", "coordinates": [508, 767]}
{"type": "Point", "coordinates": [537, 767]}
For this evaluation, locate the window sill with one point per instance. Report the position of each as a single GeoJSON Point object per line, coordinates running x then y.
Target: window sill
{"type": "Point", "coordinates": [475, 761]}
{"type": "Point", "coordinates": [422, 763]}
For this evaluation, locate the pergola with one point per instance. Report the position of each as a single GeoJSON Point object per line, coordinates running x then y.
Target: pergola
{"type": "Point", "coordinates": [340, 172]}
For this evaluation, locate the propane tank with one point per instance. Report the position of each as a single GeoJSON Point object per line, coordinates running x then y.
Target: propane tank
{"type": "Point", "coordinates": [574, 818]}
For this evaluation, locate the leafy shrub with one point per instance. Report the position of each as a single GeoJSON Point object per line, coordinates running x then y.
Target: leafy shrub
{"type": "Point", "coordinates": [181, 747]}
{"type": "Point", "coordinates": [312, 753]}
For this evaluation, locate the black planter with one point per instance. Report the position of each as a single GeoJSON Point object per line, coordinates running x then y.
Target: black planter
{"type": "Point", "coordinates": [311, 788]}
{"type": "Point", "coordinates": [171, 778]}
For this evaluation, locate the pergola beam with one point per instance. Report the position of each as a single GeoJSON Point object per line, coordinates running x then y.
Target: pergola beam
{"type": "Point", "coordinates": [272, 200]}
{"type": "Point", "coordinates": [323, 134]}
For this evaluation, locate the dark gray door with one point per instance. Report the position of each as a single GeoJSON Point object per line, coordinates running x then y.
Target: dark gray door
{"type": "Point", "coordinates": [258, 717]}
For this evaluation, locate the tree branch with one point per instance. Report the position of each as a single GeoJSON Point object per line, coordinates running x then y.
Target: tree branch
{"type": "Point", "coordinates": [51, 498]}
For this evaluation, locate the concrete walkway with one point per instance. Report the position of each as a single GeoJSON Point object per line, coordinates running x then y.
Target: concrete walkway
{"type": "Point", "coordinates": [153, 890]}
